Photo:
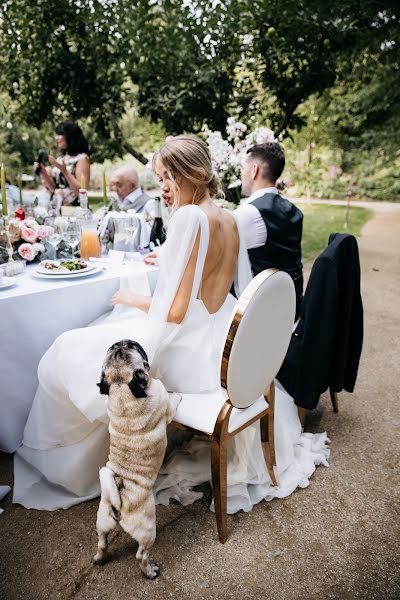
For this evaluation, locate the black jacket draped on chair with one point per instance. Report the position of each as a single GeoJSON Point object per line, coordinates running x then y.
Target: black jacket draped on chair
{"type": "Point", "coordinates": [325, 348]}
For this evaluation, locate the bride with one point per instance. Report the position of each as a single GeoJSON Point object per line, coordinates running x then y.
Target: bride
{"type": "Point", "coordinates": [183, 329]}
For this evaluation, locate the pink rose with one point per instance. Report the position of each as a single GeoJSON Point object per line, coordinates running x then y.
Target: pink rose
{"type": "Point", "coordinates": [44, 231]}
{"type": "Point", "coordinates": [27, 251]}
{"type": "Point", "coordinates": [28, 235]}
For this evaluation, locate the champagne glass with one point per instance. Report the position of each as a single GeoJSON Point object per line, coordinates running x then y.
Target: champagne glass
{"type": "Point", "coordinates": [72, 235]}
{"type": "Point", "coordinates": [124, 232]}
{"type": "Point", "coordinates": [131, 226]}
{"type": "Point", "coordinates": [55, 238]}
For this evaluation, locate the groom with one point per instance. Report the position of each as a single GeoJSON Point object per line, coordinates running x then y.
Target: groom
{"type": "Point", "coordinates": [272, 226]}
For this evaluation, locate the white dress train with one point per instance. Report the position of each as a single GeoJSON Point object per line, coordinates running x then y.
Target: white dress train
{"type": "Point", "coordinates": [66, 436]}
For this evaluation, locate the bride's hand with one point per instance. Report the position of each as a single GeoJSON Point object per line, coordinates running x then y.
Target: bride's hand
{"type": "Point", "coordinates": [123, 297]}
{"type": "Point", "coordinates": [151, 258]}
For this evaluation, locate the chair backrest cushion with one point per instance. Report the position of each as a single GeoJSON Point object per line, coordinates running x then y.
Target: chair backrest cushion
{"type": "Point", "coordinates": [259, 336]}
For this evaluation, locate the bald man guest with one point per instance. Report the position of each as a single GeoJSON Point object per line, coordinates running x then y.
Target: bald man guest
{"type": "Point", "coordinates": [125, 182]}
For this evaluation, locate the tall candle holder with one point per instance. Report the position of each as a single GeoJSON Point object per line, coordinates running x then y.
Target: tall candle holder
{"type": "Point", "coordinates": [7, 232]}
{"type": "Point", "coordinates": [11, 267]}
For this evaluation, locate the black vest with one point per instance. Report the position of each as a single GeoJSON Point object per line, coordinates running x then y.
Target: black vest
{"type": "Point", "coordinates": [282, 250]}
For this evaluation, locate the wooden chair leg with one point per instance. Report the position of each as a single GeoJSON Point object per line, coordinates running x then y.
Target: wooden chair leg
{"type": "Point", "coordinates": [334, 400]}
{"type": "Point", "coordinates": [267, 432]}
{"type": "Point", "coordinates": [219, 485]}
{"type": "Point", "coordinates": [219, 447]}
{"type": "Point", "coordinates": [302, 415]}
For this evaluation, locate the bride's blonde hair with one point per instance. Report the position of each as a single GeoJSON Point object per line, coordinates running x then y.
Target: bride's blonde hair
{"type": "Point", "coordinates": [188, 157]}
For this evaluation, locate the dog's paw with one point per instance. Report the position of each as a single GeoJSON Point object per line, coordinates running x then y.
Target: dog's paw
{"type": "Point", "coordinates": [99, 559]}
{"type": "Point", "coordinates": [153, 571]}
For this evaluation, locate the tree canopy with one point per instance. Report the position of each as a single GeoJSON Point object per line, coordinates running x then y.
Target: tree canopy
{"type": "Point", "coordinates": [184, 63]}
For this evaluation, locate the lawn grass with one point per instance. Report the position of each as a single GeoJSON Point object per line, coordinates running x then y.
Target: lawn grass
{"type": "Point", "coordinates": [322, 220]}
{"type": "Point", "coordinates": [95, 202]}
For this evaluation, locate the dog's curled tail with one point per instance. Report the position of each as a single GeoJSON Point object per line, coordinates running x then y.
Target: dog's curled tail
{"type": "Point", "coordinates": [109, 489]}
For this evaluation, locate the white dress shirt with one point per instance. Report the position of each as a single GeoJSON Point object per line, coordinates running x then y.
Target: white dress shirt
{"type": "Point", "coordinates": [250, 221]}
{"type": "Point", "coordinates": [130, 198]}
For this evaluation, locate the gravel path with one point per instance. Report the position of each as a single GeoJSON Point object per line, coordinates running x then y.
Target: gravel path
{"type": "Point", "coordinates": [337, 539]}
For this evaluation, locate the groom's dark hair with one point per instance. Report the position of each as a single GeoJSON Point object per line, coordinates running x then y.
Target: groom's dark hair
{"type": "Point", "coordinates": [272, 159]}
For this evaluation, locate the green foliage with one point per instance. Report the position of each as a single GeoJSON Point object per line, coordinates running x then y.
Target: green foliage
{"type": "Point", "coordinates": [354, 126]}
{"type": "Point", "coordinates": [299, 46]}
{"type": "Point", "coordinates": [140, 132]}
{"type": "Point", "coordinates": [321, 73]}
{"type": "Point", "coordinates": [8, 155]}
{"type": "Point", "coordinates": [64, 59]}
{"type": "Point", "coordinates": [189, 51]}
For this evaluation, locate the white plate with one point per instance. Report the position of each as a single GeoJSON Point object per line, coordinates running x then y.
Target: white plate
{"type": "Point", "coordinates": [6, 283]}
{"type": "Point", "coordinates": [72, 275]}
{"type": "Point", "coordinates": [44, 271]}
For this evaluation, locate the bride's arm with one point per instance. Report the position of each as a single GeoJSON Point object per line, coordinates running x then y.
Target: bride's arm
{"type": "Point", "coordinates": [181, 301]}
{"type": "Point", "coordinates": [180, 304]}
{"type": "Point", "coordinates": [135, 300]}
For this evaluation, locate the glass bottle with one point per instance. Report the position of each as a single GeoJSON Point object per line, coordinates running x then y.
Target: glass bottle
{"type": "Point", "coordinates": [157, 235]}
{"type": "Point", "coordinates": [90, 243]}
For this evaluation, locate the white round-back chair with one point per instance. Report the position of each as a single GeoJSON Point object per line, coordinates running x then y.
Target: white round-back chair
{"type": "Point", "coordinates": [255, 347]}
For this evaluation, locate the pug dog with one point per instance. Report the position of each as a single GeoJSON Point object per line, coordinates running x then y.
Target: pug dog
{"type": "Point", "coordinates": [139, 409]}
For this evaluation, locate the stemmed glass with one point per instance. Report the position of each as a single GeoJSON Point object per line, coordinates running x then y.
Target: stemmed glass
{"type": "Point", "coordinates": [72, 235]}
{"type": "Point", "coordinates": [55, 238]}
{"type": "Point", "coordinates": [125, 228]}
{"type": "Point", "coordinates": [130, 228]}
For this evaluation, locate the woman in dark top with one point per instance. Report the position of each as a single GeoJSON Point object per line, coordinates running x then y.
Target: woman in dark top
{"type": "Point", "coordinates": [67, 170]}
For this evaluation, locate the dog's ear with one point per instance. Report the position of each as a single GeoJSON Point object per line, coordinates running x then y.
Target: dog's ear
{"type": "Point", "coordinates": [138, 383]}
{"type": "Point", "coordinates": [136, 346]}
{"type": "Point", "coordinates": [103, 385]}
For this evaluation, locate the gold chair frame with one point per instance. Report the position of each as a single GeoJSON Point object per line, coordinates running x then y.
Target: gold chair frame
{"type": "Point", "coordinates": [220, 436]}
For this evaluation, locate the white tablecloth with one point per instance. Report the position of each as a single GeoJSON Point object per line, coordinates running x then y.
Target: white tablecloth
{"type": "Point", "coordinates": [32, 314]}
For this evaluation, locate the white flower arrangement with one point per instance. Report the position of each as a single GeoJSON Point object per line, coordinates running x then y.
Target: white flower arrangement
{"type": "Point", "coordinates": [27, 239]}
{"type": "Point", "coordinates": [228, 154]}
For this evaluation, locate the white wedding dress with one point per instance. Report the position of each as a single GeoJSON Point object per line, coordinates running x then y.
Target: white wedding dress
{"type": "Point", "coordinates": [66, 436]}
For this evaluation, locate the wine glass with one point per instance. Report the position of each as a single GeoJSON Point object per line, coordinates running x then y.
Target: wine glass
{"type": "Point", "coordinates": [72, 235]}
{"type": "Point", "coordinates": [131, 228]}
{"type": "Point", "coordinates": [125, 227]}
{"type": "Point", "coordinates": [55, 238]}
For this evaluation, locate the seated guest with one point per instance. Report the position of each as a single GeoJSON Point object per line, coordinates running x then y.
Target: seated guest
{"type": "Point", "coordinates": [271, 225]}
{"type": "Point", "coordinates": [130, 197]}
{"type": "Point", "coordinates": [125, 182]}
{"type": "Point", "coordinates": [67, 171]}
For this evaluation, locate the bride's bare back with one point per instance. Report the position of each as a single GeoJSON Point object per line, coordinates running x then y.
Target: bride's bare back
{"type": "Point", "coordinates": [221, 259]}
{"type": "Point", "coordinates": [219, 266]}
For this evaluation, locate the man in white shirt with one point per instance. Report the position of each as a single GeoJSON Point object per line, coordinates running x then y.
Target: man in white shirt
{"type": "Point", "coordinates": [271, 225]}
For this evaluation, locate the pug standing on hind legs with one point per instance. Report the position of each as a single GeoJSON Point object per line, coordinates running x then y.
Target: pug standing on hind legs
{"type": "Point", "coordinates": [139, 409]}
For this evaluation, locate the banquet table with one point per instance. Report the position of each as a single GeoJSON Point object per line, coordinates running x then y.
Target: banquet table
{"type": "Point", "coordinates": [32, 314]}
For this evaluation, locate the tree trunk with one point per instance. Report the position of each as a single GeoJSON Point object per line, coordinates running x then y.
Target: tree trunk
{"type": "Point", "coordinates": [286, 119]}
{"type": "Point", "coordinates": [126, 145]}
{"type": "Point", "coordinates": [138, 155]}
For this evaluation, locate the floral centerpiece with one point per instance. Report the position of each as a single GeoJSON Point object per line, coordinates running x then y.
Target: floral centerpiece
{"type": "Point", "coordinates": [28, 236]}
{"type": "Point", "coordinates": [227, 153]}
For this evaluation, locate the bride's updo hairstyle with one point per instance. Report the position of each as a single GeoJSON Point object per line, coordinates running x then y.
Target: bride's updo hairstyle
{"type": "Point", "coordinates": [188, 157]}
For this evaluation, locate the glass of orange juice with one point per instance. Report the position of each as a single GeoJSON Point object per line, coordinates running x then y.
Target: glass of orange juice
{"type": "Point", "coordinates": [90, 242]}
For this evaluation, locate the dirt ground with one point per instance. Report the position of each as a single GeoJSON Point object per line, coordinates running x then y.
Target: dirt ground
{"type": "Point", "coordinates": [337, 539]}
